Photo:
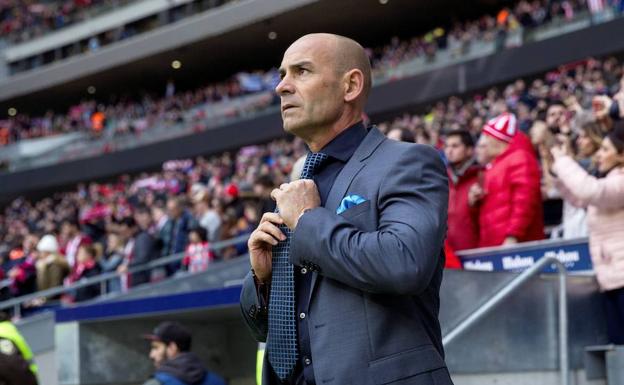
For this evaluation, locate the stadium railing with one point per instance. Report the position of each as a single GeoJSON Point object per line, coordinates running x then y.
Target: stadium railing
{"type": "Point", "coordinates": [512, 287]}
{"type": "Point", "coordinates": [102, 280]}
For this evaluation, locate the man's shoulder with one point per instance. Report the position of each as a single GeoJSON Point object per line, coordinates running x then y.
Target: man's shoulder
{"type": "Point", "coordinates": [400, 150]}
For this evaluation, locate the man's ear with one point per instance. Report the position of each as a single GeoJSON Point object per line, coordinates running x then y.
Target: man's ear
{"type": "Point", "coordinates": [353, 84]}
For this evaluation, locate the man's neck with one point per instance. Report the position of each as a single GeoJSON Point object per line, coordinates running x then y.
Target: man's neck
{"type": "Point", "coordinates": [460, 167]}
{"type": "Point", "coordinates": [322, 137]}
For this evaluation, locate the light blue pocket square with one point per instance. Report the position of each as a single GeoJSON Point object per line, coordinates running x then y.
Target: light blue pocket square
{"type": "Point", "coordinates": [348, 202]}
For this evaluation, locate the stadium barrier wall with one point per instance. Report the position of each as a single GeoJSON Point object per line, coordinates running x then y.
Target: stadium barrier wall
{"type": "Point", "coordinates": [519, 337]}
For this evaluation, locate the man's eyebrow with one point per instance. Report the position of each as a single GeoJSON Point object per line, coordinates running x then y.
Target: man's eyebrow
{"type": "Point", "coordinates": [303, 63]}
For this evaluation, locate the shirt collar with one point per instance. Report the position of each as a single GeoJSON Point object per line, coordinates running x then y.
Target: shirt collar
{"type": "Point", "coordinates": [344, 145]}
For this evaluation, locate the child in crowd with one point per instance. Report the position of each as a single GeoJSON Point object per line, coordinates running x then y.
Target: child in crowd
{"type": "Point", "coordinates": [198, 254]}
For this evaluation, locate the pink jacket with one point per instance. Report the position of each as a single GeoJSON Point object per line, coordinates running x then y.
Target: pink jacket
{"type": "Point", "coordinates": [604, 200]}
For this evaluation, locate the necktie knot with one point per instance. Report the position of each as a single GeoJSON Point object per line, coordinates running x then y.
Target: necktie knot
{"type": "Point", "coordinates": [313, 162]}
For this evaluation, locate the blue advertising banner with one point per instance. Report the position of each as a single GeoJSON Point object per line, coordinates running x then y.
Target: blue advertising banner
{"type": "Point", "coordinates": [574, 254]}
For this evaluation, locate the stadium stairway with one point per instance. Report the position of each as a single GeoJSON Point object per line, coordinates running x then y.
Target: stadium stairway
{"type": "Point", "coordinates": [100, 342]}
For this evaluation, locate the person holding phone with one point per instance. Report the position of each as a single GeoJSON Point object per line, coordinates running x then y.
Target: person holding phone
{"type": "Point", "coordinates": [603, 196]}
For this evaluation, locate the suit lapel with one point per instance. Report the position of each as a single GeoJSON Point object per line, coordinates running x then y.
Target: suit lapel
{"type": "Point", "coordinates": [346, 176]}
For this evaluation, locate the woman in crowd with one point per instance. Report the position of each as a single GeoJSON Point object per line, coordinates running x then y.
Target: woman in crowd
{"type": "Point", "coordinates": [52, 268]}
{"type": "Point", "coordinates": [603, 196]}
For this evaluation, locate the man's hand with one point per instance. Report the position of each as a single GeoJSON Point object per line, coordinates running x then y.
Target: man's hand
{"type": "Point", "coordinates": [261, 242]}
{"type": "Point", "coordinates": [295, 197]}
{"type": "Point", "coordinates": [475, 194]}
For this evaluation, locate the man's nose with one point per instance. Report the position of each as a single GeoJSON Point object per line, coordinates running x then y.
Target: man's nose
{"type": "Point", "coordinates": [284, 86]}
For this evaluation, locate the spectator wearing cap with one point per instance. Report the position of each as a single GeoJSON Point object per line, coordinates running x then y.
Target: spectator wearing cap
{"type": "Point", "coordinates": [603, 196]}
{"type": "Point", "coordinates": [463, 172]}
{"type": "Point", "coordinates": [509, 201]}
{"type": "Point", "coordinates": [173, 360]}
{"type": "Point", "coordinates": [52, 268]}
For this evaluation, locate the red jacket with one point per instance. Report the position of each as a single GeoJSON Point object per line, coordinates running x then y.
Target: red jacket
{"type": "Point", "coordinates": [512, 205]}
{"type": "Point", "coordinates": [463, 220]}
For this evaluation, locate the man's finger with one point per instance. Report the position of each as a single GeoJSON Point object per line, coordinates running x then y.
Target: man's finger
{"type": "Point", "coordinates": [275, 193]}
{"type": "Point", "coordinates": [272, 217]}
{"type": "Point", "coordinates": [259, 237]}
{"type": "Point", "coordinates": [273, 230]}
{"type": "Point", "coordinates": [283, 186]}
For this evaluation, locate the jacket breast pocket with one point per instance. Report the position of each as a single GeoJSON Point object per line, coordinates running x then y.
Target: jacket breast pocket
{"type": "Point", "coordinates": [405, 364]}
{"type": "Point", "coordinates": [356, 210]}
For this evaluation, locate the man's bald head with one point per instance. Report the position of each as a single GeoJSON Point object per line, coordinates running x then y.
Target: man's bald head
{"type": "Point", "coordinates": [346, 55]}
{"type": "Point", "coordinates": [325, 81]}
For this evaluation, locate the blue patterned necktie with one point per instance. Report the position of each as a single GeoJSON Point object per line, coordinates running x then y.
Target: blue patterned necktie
{"type": "Point", "coordinates": [282, 337]}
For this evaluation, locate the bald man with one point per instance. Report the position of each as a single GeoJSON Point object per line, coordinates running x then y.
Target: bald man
{"type": "Point", "coordinates": [345, 277]}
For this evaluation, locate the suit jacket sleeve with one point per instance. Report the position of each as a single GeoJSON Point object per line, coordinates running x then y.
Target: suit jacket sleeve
{"type": "Point", "coordinates": [256, 320]}
{"type": "Point", "coordinates": [402, 255]}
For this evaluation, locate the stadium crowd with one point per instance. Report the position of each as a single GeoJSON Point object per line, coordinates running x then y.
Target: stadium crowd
{"type": "Point", "coordinates": [24, 20]}
{"type": "Point", "coordinates": [190, 204]}
{"type": "Point", "coordinates": [135, 116]}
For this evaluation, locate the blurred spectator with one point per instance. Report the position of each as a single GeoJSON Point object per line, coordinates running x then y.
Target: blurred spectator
{"type": "Point", "coordinates": [113, 258]}
{"type": "Point", "coordinates": [463, 172]}
{"type": "Point", "coordinates": [603, 196]}
{"type": "Point", "coordinates": [402, 135]}
{"type": "Point", "coordinates": [73, 239]}
{"type": "Point", "coordinates": [198, 254]}
{"type": "Point", "coordinates": [87, 266]}
{"type": "Point", "coordinates": [52, 268]}
{"type": "Point", "coordinates": [23, 274]}
{"type": "Point", "coordinates": [574, 219]}
{"type": "Point", "coordinates": [174, 233]}
{"type": "Point", "coordinates": [207, 216]}
{"type": "Point", "coordinates": [262, 188]}
{"type": "Point", "coordinates": [509, 202]}
{"type": "Point", "coordinates": [140, 249]}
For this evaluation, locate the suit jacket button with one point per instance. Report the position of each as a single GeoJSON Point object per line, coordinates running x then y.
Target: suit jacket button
{"type": "Point", "coordinates": [307, 361]}
{"type": "Point", "coordinates": [304, 270]}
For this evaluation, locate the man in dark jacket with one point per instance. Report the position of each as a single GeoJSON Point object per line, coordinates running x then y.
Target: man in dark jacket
{"type": "Point", "coordinates": [175, 364]}
{"type": "Point", "coordinates": [140, 249]}
{"type": "Point", "coordinates": [174, 234]}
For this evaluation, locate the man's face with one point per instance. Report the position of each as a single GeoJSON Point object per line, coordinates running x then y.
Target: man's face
{"type": "Point", "coordinates": [173, 209]}
{"type": "Point", "coordinates": [310, 89]}
{"type": "Point", "coordinates": [456, 151]}
{"type": "Point", "coordinates": [488, 148]}
{"type": "Point", "coordinates": [158, 353]}
{"type": "Point", "coordinates": [555, 117]}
